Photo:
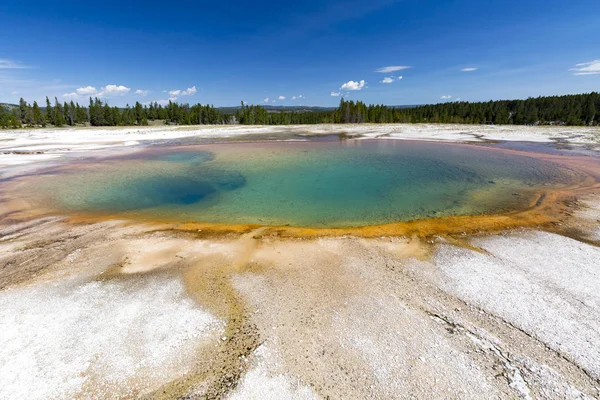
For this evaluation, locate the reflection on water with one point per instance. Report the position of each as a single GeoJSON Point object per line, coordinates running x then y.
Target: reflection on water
{"type": "Point", "coordinates": [331, 183]}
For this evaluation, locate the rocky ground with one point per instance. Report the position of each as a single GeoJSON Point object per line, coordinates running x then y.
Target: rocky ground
{"type": "Point", "coordinates": [115, 309]}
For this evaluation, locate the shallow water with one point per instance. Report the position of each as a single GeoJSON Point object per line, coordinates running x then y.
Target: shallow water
{"type": "Point", "coordinates": [318, 184]}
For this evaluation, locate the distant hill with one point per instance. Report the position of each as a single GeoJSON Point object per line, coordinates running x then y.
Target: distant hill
{"type": "Point", "coordinates": [271, 108]}
{"type": "Point", "coordinates": [9, 106]}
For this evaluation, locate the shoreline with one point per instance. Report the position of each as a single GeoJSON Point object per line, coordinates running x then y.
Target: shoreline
{"type": "Point", "coordinates": [54, 141]}
{"type": "Point", "coordinates": [546, 210]}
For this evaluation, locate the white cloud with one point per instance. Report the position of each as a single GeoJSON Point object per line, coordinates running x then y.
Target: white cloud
{"type": "Point", "coordinates": [469, 69]}
{"type": "Point", "coordinates": [457, 99]}
{"type": "Point", "coordinates": [352, 85]}
{"type": "Point", "coordinates": [86, 91]}
{"type": "Point", "coordinates": [281, 97]}
{"type": "Point", "coordinates": [189, 91]}
{"type": "Point", "coordinates": [176, 93]}
{"type": "Point", "coordinates": [9, 64]}
{"type": "Point", "coordinates": [114, 90]}
{"type": "Point", "coordinates": [142, 92]}
{"type": "Point", "coordinates": [108, 90]}
{"type": "Point", "coordinates": [82, 91]}
{"type": "Point", "coordinates": [391, 68]}
{"type": "Point", "coordinates": [448, 97]}
{"type": "Point", "coordinates": [14, 92]}
{"type": "Point", "coordinates": [266, 100]}
{"type": "Point", "coordinates": [335, 94]}
{"type": "Point", "coordinates": [297, 97]}
{"type": "Point", "coordinates": [588, 68]}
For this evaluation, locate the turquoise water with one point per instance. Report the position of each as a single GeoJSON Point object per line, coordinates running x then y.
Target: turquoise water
{"type": "Point", "coordinates": [319, 184]}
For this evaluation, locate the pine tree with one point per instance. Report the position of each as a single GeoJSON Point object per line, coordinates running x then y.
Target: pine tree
{"type": "Point", "coordinates": [38, 118]}
{"type": "Point", "coordinates": [590, 110]}
{"type": "Point", "coordinates": [3, 117]}
{"type": "Point", "coordinates": [139, 113]}
{"type": "Point", "coordinates": [59, 119]}
{"type": "Point", "coordinates": [49, 112]}
{"type": "Point", "coordinates": [81, 114]}
{"type": "Point", "coordinates": [532, 115]}
{"type": "Point", "coordinates": [72, 113]}
{"type": "Point", "coordinates": [13, 119]}
{"type": "Point", "coordinates": [23, 110]}
{"type": "Point", "coordinates": [66, 111]}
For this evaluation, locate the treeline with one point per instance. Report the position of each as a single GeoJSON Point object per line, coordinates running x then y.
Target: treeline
{"type": "Point", "coordinates": [581, 109]}
{"type": "Point", "coordinates": [99, 113]}
{"type": "Point", "coordinates": [258, 115]}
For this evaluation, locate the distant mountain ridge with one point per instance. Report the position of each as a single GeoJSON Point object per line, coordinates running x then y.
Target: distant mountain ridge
{"type": "Point", "coordinates": [9, 105]}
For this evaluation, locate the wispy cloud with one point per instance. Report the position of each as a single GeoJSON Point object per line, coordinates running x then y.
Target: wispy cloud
{"type": "Point", "coordinates": [297, 97]}
{"type": "Point", "coordinates": [391, 79]}
{"type": "Point", "coordinates": [353, 85]}
{"type": "Point", "coordinates": [469, 69]}
{"type": "Point", "coordinates": [142, 92]}
{"type": "Point", "coordinates": [31, 88]}
{"type": "Point", "coordinates": [10, 64]}
{"type": "Point", "coordinates": [281, 97]}
{"type": "Point", "coordinates": [175, 92]}
{"type": "Point", "coordinates": [335, 94]}
{"type": "Point", "coordinates": [266, 100]}
{"type": "Point", "coordinates": [587, 68]}
{"type": "Point", "coordinates": [448, 97]}
{"type": "Point", "coordinates": [391, 68]}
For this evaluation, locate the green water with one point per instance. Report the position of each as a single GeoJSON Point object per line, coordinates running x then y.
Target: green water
{"type": "Point", "coordinates": [319, 184]}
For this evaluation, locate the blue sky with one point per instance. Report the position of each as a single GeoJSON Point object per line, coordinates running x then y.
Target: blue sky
{"type": "Point", "coordinates": [300, 52]}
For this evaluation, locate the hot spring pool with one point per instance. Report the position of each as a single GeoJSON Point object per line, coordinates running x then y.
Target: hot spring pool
{"type": "Point", "coordinates": [317, 184]}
